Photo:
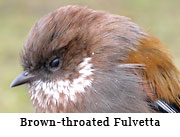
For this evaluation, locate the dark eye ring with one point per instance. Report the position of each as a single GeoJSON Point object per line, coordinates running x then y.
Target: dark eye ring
{"type": "Point", "coordinates": [55, 63]}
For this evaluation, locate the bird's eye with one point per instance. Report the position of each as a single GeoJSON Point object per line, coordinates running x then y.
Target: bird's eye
{"type": "Point", "coordinates": [54, 64]}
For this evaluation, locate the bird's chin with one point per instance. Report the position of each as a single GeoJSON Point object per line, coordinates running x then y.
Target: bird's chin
{"type": "Point", "coordinates": [58, 96]}
{"type": "Point", "coordinates": [47, 97]}
{"type": "Point", "coordinates": [47, 103]}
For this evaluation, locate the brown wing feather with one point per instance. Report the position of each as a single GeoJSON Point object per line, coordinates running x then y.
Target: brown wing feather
{"type": "Point", "coordinates": [161, 75]}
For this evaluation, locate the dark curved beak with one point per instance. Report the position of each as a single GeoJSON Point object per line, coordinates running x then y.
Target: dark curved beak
{"type": "Point", "coordinates": [23, 78]}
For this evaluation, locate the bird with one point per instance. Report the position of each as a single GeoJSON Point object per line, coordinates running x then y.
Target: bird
{"type": "Point", "coordinates": [79, 60]}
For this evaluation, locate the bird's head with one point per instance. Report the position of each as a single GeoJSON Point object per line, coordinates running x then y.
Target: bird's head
{"type": "Point", "coordinates": [73, 50]}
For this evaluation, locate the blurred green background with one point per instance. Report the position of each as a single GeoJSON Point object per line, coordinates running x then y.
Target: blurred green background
{"type": "Point", "coordinates": [161, 18]}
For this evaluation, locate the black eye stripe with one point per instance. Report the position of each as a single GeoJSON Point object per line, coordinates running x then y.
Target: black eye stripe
{"type": "Point", "coordinates": [52, 37]}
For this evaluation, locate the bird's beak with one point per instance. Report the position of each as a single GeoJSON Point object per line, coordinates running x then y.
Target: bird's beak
{"type": "Point", "coordinates": [23, 78]}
